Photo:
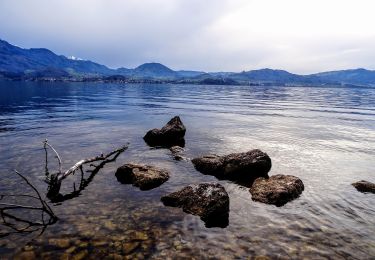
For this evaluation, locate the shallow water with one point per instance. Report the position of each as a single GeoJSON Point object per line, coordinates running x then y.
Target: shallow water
{"type": "Point", "coordinates": [325, 136]}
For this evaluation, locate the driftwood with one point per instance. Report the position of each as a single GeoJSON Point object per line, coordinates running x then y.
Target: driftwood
{"type": "Point", "coordinates": [83, 183]}
{"type": "Point", "coordinates": [13, 218]}
{"type": "Point", "coordinates": [15, 223]}
{"type": "Point", "coordinates": [55, 180]}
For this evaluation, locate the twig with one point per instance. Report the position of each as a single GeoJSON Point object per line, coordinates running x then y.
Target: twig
{"type": "Point", "coordinates": [57, 155]}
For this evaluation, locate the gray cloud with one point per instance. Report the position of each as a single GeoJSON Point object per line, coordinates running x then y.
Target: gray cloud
{"type": "Point", "coordinates": [214, 35]}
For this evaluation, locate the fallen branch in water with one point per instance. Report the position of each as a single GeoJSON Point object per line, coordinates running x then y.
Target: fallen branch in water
{"type": "Point", "coordinates": [11, 220]}
{"type": "Point", "coordinates": [57, 155]}
{"type": "Point", "coordinates": [55, 180]}
{"type": "Point", "coordinates": [84, 182]}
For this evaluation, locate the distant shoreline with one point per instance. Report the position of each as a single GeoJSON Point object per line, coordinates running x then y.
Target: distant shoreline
{"type": "Point", "coordinates": [179, 82]}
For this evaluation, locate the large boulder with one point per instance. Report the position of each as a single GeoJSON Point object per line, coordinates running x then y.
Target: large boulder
{"type": "Point", "coordinates": [171, 134]}
{"type": "Point", "coordinates": [277, 189]}
{"type": "Point", "coordinates": [208, 200]}
{"type": "Point", "coordinates": [145, 177]}
{"type": "Point", "coordinates": [364, 186]}
{"type": "Point", "coordinates": [236, 166]}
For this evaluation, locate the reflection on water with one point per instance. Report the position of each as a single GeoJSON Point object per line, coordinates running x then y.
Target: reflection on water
{"type": "Point", "coordinates": [325, 136]}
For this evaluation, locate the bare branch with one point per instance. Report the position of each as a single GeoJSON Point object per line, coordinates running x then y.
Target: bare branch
{"type": "Point", "coordinates": [80, 163]}
{"type": "Point", "coordinates": [57, 154]}
{"type": "Point", "coordinates": [53, 193]}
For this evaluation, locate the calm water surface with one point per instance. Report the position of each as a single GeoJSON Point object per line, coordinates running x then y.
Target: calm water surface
{"type": "Point", "coordinates": [325, 136]}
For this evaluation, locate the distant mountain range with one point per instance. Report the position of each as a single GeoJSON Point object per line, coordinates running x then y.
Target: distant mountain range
{"type": "Point", "coordinates": [42, 64]}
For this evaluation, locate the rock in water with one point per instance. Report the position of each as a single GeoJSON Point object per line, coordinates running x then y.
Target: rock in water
{"type": "Point", "coordinates": [236, 166]}
{"type": "Point", "coordinates": [171, 134]}
{"type": "Point", "coordinates": [278, 189]}
{"type": "Point", "coordinates": [208, 200]}
{"type": "Point", "coordinates": [143, 176]}
{"type": "Point", "coordinates": [178, 153]}
{"type": "Point", "coordinates": [364, 186]}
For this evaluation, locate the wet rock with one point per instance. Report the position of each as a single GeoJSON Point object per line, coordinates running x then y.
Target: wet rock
{"type": "Point", "coordinates": [177, 152]}
{"type": "Point", "coordinates": [143, 176]}
{"type": "Point", "coordinates": [59, 242]}
{"type": "Point", "coordinates": [130, 247]}
{"type": "Point", "coordinates": [27, 255]}
{"type": "Point", "coordinates": [109, 225]}
{"type": "Point", "coordinates": [278, 189]}
{"type": "Point", "coordinates": [236, 166]}
{"type": "Point", "coordinates": [80, 255]}
{"type": "Point", "coordinates": [210, 201]}
{"type": "Point", "coordinates": [70, 250]}
{"type": "Point", "coordinates": [364, 186]}
{"type": "Point", "coordinates": [171, 134]}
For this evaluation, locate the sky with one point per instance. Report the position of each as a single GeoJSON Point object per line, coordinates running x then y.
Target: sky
{"type": "Point", "coordinates": [301, 36]}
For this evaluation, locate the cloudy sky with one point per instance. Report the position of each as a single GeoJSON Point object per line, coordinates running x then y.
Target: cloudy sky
{"type": "Point", "coordinates": [301, 36]}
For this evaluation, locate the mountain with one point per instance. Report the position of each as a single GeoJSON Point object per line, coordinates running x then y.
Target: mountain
{"type": "Point", "coordinates": [355, 76]}
{"type": "Point", "coordinates": [154, 70]}
{"type": "Point", "coordinates": [25, 61]}
{"type": "Point", "coordinates": [266, 75]}
{"type": "Point", "coordinates": [189, 73]}
{"type": "Point", "coordinates": [43, 64]}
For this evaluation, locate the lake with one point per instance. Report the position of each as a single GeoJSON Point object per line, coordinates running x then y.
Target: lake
{"type": "Point", "coordinates": [323, 135]}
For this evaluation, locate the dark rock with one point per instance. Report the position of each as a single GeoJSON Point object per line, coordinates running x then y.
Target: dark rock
{"type": "Point", "coordinates": [364, 186]}
{"type": "Point", "coordinates": [208, 200]}
{"type": "Point", "coordinates": [177, 152]}
{"type": "Point", "coordinates": [278, 189]}
{"type": "Point", "coordinates": [171, 134]}
{"type": "Point", "coordinates": [143, 176]}
{"type": "Point", "coordinates": [236, 166]}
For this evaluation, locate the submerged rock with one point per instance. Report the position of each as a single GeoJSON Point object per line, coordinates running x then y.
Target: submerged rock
{"type": "Point", "coordinates": [278, 189]}
{"type": "Point", "coordinates": [178, 152]}
{"type": "Point", "coordinates": [145, 177]}
{"type": "Point", "coordinates": [364, 186]}
{"type": "Point", "coordinates": [210, 201]}
{"type": "Point", "coordinates": [171, 134]}
{"type": "Point", "coordinates": [236, 166]}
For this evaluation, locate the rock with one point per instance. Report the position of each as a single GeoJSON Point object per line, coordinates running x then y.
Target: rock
{"type": "Point", "coordinates": [59, 242]}
{"type": "Point", "coordinates": [130, 247]}
{"type": "Point", "coordinates": [143, 176]}
{"type": "Point", "coordinates": [81, 255]}
{"type": "Point", "coordinates": [208, 200]}
{"type": "Point", "coordinates": [236, 166]}
{"type": "Point", "coordinates": [177, 152]}
{"type": "Point", "coordinates": [27, 255]}
{"type": "Point", "coordinates": [171, 134]}
{"type": "Point", "coordinates": [364, 186]}
{"type": "Point", "coordinates": [278, 189]}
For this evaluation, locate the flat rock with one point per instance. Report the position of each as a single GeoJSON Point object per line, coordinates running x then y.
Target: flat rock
{"type": "Point", "coordinates": [236, 166]}
{"type": "Point", "coordinates": [210, 201]}
{"type": "Point", "coordinates": [277, 189]}
{"type": "Point", "coordinates": [171, 134]}
{"type": "Point", "coordinates": [364, 186]}
{"type": "Point", "coordinates": [145, 177]}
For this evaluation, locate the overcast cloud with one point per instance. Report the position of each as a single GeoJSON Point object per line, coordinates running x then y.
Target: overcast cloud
{"type": "Point", "coordinates": [301, 36]}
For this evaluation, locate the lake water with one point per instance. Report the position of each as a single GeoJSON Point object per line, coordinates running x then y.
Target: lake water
{"type": "Point", "coordinates": [325, 136]}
